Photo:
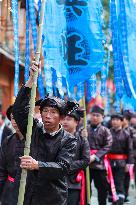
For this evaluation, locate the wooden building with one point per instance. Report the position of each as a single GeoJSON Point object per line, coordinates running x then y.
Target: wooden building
{"type": "Point", "coordinates": [7, 51]}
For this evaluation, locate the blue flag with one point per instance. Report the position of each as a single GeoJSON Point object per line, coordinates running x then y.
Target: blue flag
{"type": "Point", "coordinates": [27, 48]}
{"type": "Point", "coordinates": [91, 87]}
{"type": "Point", "coordinates": [128, 103]}
{"type": "Point", "coordinates": [115, 44]}
{"type": "Point", "coordinates": [48, 79]}
{"type": "Point", "coordinates": [16, 44]}
{"type": "Point", "coordinates": [82, 41]}
{"type": "Point", "coordinates": [129, 6]}
{"type": "Point", "coordinates": [72, 39]}
{"type": "Point", "coordinates": [80, 91]}
{"type": "Point", "coordinates": [54, 23]}
{"type": "Point", "coordinates": [123, 24]}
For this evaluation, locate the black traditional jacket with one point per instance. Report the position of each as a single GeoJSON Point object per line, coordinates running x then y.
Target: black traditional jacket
{"type": "Point", "coordinates": [100, 139]}
{"type": "Point", "coordinates": [132, 134]}
{"type": "Point", "coordinates": [122, 144]}
{"type": "Point", "coordinates": [80, 161]}
{"type": "Point", "coordinates": [54, 152]}
{"type": "Point", "coordinates": [10, 171]}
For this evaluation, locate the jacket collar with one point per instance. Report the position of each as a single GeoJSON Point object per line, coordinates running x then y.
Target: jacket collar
{"type": "Point", "coordinates": [53, 133]}
{"type": "Point", "coordinates": [97, 127]}
{"type": "Point", "coordinates": [118, 130]}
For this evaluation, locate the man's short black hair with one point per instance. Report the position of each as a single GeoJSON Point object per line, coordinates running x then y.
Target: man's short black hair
{"type": "Point", "coordinates": [127, 115]}
{"type": "Point", "coordinates": [62, 106]}
{"type": "Point", "coordinates": [117, 116]}
{"type": "Point", "coordinates": [97, 109]}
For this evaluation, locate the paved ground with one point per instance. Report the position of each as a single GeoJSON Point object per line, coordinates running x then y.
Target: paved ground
{"type": "Point", "coordinates": [132, 197]}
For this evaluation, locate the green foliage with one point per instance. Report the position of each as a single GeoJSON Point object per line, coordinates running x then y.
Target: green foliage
{"type": "Point", "coordinates": [105, 3]}
{"type": "Point", "coordinates": [106, 18]}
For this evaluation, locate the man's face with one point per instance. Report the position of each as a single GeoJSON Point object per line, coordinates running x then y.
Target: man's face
{"type": "Point", "coordinates": [125, 122]}
{"type": "Point", "coordinates": [96, 118]}
{"type": "Point", "coordinates": [50, 118]}
{"type": "Point", "coordinates": [133, 121]}
{"type": "Point", "coordinates": [69, 124]}
{"type": "Point", "coordinates": [116, 123]}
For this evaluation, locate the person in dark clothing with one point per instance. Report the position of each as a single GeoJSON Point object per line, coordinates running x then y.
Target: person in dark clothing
{"type": "Point", "coordinates": [121, 155]}
{"type": "Point", "coordinates": [133, 124]}
{"type": "Point", "coordinates": [132, 134]}
{"type": "Point", "coordinates": [51, 151]}
{"type": "Point", "coordinates": [133, 120]}
{"type": "Point", "coordinates": [81, 159]}
{"type": "Point", "coordinates": [4, 130]}
{"type": "Point", "coordinates": [100, 141]}
{"type": "Point", "coordinates": [11, 149]}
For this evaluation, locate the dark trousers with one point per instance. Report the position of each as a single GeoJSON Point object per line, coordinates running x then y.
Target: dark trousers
{"type": "Point", "coordinates": [73, 197]}
{"type": "Point", "coordinates": [119, 177]}
{"type": "Point", "coordinates": [101, 184]}
{"type": "Point", "coordinates": [126, 184]}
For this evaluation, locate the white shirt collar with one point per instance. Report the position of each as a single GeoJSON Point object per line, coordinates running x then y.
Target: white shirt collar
{"type": "Point", "coordinates": [53, 133]}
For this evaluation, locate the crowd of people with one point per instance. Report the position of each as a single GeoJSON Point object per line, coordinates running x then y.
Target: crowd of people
{"type": "Point", "coordinates": [61, 150]}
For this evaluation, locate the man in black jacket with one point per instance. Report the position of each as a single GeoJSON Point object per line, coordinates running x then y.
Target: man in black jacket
{"type": "Point", "coordinates": [121, 155]}
{"type": "Point", "coordinates": [51, 152]}
{"type": "Point", "coordinates": [133, 124]}
{"type": "Point", "coordinates": [11, 149]}
{"type": "Point", "coordinates": [132, 134]}
{"type": "Point", "coordinates": [133, 120]}
{"type": "Point", "coordinates": [100, 141]}
{"type": "Point", "coordinates": [80, 161]}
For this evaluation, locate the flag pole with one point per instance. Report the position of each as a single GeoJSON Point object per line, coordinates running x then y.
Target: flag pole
{"type": "Point", "coordinates": [31, 109]}
{"type": "Point", "coordinates": [88, 186]}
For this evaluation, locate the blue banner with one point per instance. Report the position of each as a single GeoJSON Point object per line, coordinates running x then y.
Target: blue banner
{"type": "Point", "coordinates": [128, 103]}
{"type": "Point", "coordinates": [16, 44]}
{"type": "Point", "coordinates": [54, 23]}
{"type": "Point", "coordinates": [117, 104]}
{"type": "Point", "coordinates": [27, 48]}
{"type": "Point", "coordinates": [91, 87]}
{"type": "Point", "coordinates": [32, 16]}
{"type": "Point", "coordinates": [123, 47]}
{"type": "Point", "coordinates": [54, 81]}
{"type": "Point", "coordinates": [108, 102]}
{"type": "Point", "coordinates": [39, 9]}
{"type": "Point", "coordinates": [80, 91]}
{"type": "Point", "coordinates": [41, 87]}
{"type": "Point", "coordinates": [72, 39]}
{"type": "Point", "coordinates": [124, 34]}
{"type": "Point", "coordinates": [128, 43]}
{"type": "Point", "coordinates": [48, 79]}
{"type": "Point", "coordinates": [115, 44]}
{"type": "Point", "coordinates": [82, 43]}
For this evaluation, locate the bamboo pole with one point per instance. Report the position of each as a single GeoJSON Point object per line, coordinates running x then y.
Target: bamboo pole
{"type": "Point", "coordinates": [88, 186]}
{"type": "Point", "coordinates": [31, 110]}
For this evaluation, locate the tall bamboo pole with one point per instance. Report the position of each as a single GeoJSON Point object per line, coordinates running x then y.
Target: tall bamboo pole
{"type": "Point", "coordinates": [88, 186]}
{"type": "Point", "coordinates": [31, 110]}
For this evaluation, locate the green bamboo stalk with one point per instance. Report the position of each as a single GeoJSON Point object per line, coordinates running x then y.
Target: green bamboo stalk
{"type": "Point", "coordinates": [31, 110]}
{"type": "Point", "coordinates": [87, 169]}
